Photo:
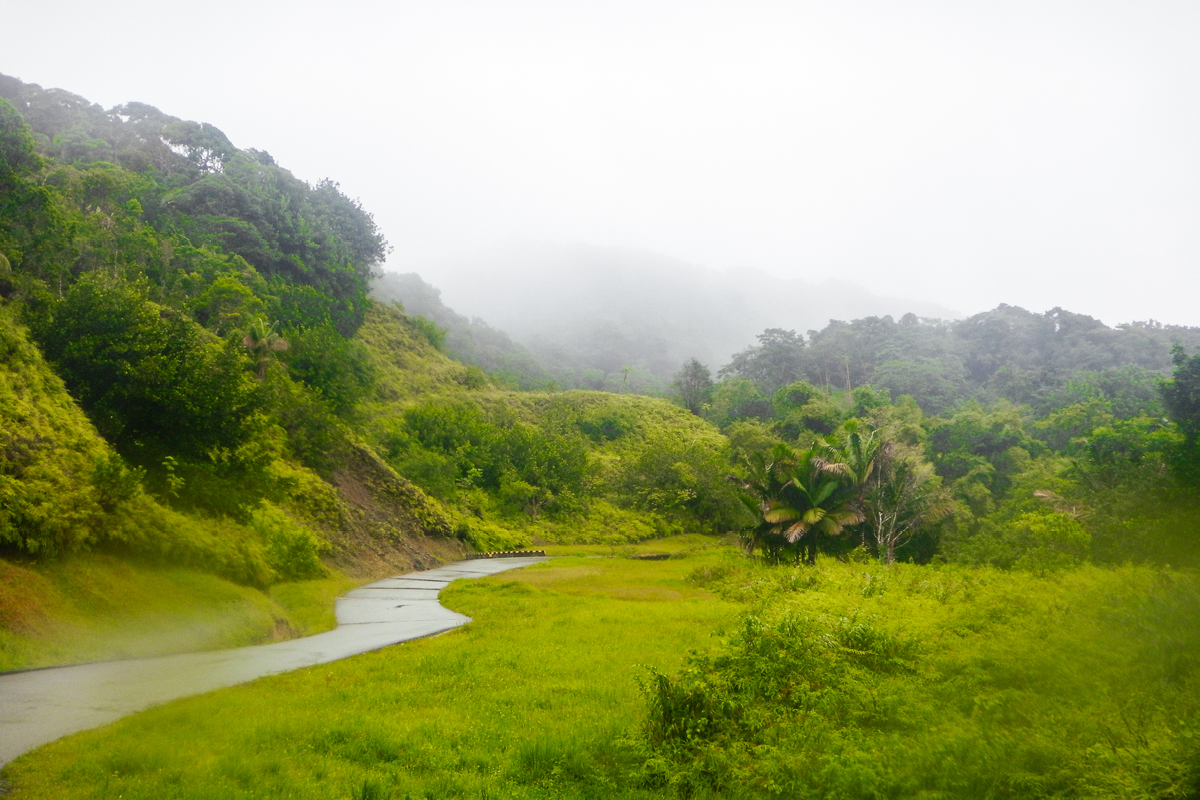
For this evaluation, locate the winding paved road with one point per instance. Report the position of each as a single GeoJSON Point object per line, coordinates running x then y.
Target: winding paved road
{"type": "Point", "coordinates": [43, 705]}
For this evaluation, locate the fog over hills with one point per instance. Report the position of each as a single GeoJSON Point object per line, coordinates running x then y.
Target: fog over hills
{"type": "Point", "coordinates": [608, 307]}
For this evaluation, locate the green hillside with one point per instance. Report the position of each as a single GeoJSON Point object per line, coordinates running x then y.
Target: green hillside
{"type": "Point", "coordinates": [196, 378]}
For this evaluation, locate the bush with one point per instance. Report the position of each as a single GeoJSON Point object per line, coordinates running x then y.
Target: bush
{"type": "Point", "coordinates": [1042, 541]}
{"type": "Point", "coordinates": [293, 551]}
{"type": "Point", "coordinates": [488, 537]}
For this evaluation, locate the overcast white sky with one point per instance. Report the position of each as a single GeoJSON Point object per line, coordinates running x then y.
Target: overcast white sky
{"type": "Point", "coordinates": [1036, 153]}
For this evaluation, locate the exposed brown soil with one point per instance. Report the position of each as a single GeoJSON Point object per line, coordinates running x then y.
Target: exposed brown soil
{"type": "Point", "coordinates": [388, 525]}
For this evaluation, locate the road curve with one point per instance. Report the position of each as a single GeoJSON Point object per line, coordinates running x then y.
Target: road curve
{"type": "Point", "coordinates": [40, 706]}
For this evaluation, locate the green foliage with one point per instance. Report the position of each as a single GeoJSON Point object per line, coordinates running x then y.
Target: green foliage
{"type": "Point", "coordinates": [428, 328]}
{"type": "Point", "coordinates": [670, 476]}
{"type": "Point", "coordinates": [335, 368]}
{"type": "Point", "coordinates": [293, 551]}
{"type": "Point", "coordinates": [115, 483]}
{"type": "Point", "coordinates": [227, 305]}
{"type": "Point", "coordinates": [1042, 541]}
{"type": "Point", "coordinates": [486, 536]}
{"type": "Point", "coordinates": [737, 398]}
{"type": "Point", "coordinates": [448, 447]}
{"type": "Point", "coordinates": [57, 477]}
{"type": "Point", "coordinates": [18, 154]}
{"type": "Point", "coordinates": [1062, 429]}
{"type": "Point", "coordinates": [864, 681]}
{"type": "Point", "coordinates": [938, 385]}
{"type": "Point", "coordinates": [798, 497]}
{"type": "Point", "coordinates": [795, 673]}
{"type": "Point", "coordinates": [803, 409]}
{"type": "Point", "coordinates": [1181, 396]}
{"type": "Point", "coordinates": [776, 361]}
{"type": "Point", "coordinates": [147, 378]}
{"type": "Point", "coordinates": [694, 386]}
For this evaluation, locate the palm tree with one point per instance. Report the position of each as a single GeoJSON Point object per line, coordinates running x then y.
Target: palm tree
{"type": "Point", "coordinates": [822, 496]}
{"type": "Point", "coordinates": [764, 476]}
{"type": "Point", "coordinates": [861, 453]}
{"type": "Point", "coordinates": [800, 496]}
{"type": "Point", "coordinates": [262, 340]}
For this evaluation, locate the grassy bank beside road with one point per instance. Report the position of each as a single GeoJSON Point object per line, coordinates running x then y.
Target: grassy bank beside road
{"type": "Point", "coordinates": [93, 607]}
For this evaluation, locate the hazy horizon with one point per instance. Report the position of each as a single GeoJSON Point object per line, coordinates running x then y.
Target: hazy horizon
{"type": "Point", "coordinates": [1035, 154]}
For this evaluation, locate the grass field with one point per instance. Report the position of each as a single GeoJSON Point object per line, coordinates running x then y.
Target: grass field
{"type": "Point", "coordinates": [844, 680]}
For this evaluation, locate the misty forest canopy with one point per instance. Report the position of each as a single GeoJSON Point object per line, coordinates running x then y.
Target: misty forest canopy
{"type": "Point", "coordinates": [633, 321]}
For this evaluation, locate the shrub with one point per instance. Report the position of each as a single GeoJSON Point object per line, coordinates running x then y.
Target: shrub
{"type": "Point", "coordinates": [1041, 541]}
{"type": "Point", "coordinates": [293, 551]}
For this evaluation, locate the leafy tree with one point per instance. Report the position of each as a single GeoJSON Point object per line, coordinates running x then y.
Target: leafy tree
{"type": "Point", "coordinates": [1126, 455]}
{"type": "Point", "coordinates": [1062, 429]}
{"type": "Point", "coordinates": [801, 407]}
{"type": "Point", "coordinates": [1181, 396]}
{"type": "Point", "coordinates": [775, 362]}
{"type": "Point", "coordinates": [18, 151]}
{"type": "Point", "coordinates": [1043, 541]}
{"type": "Point", "coordinates": [694, 385]}
{"type": "Point", "coordinates": [902, 494]}
{"type": "Point", "coordinates": [146, 377]}
{"type": "Point", "coordinates": [936, 384]}
{"type": "Point", "coordinates": [681, 479]}
{"type": "Point", "coordinates": [337, 368]}
{"type": "Point", "coordinates": [738, 398]}
{"type": "Point", "coordinates": [227, 305]}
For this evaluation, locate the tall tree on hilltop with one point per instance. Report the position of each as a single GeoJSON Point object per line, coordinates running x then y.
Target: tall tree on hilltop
{"type": "Point", "coordinates": [694, 384]}
{"type": "Point", "coordinates": [777, 360]}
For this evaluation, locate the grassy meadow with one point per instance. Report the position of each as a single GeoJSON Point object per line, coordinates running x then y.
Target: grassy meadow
{"type": "Point", "coordinates": [707, 675]}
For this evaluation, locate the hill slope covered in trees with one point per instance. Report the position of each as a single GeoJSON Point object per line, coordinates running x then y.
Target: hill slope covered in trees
{"type": "Point", "coordinates": [201, 377]}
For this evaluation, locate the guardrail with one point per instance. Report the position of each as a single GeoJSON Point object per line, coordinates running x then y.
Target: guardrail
{"type": "Point", "coordinates": [507, 554]}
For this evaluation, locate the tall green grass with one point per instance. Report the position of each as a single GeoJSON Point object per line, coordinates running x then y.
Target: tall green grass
{"type": "Point", "coordinates": [908, 681]}
{"type": "Point", "coordinates": [602, 677]}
